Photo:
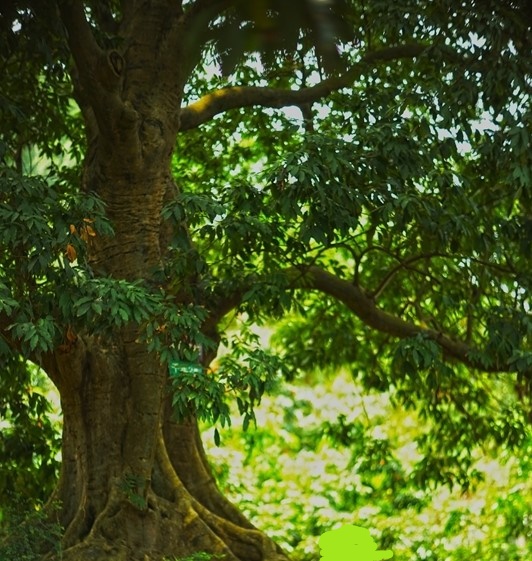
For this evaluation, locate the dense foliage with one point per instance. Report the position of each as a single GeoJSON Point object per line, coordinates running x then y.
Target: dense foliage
{"type": "Point", "coordinates": [382, 224]}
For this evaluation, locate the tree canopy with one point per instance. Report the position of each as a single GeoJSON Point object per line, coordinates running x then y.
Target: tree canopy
{"type": "Point", "coordinates": [355, 174]}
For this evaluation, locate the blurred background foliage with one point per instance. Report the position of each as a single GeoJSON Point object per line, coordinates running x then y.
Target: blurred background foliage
{"type": "Point", "coordinates": [325, 453]}
{"type": "Point", "coordinates": [30, 438]}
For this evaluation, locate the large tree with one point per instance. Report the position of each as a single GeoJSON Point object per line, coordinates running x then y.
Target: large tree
{"type": "Point", "coordinates": [152, 188]}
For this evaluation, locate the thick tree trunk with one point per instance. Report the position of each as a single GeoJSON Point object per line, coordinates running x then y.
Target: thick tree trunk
{"type": "Point", "coordinates": [135, 485]}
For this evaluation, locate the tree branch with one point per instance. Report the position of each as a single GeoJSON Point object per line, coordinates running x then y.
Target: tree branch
{"type": "Point", "coordinates": [127, 8]}
{"type": "Point", "coordinates": [235, 97]}
{"type": "Point", "coordinates": [226, 304]}
{"type": "Point", "coordinates": [97, 72]}
{"type": "Point", "coordinates": [356, 300]}
{"type": "Point", "coordinates": [363, 306]}
{"type": "Point", "coordinates": [83, 45]}
{"type": "Point", "coordinates": [406, 264]}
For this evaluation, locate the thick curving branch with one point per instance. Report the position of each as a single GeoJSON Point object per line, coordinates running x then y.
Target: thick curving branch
{"type": "Point", "coordinates": [236, 97]}
{"type": "Point", "coordinates": [83, 45]}
{"type": "Point", "coordinates": [95, 70]}
{"type": "Point", "coordinates": [364, 307]}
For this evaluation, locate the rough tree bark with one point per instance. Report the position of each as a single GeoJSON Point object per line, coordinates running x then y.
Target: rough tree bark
{"type": "Point", "coordinates": [134, 483]}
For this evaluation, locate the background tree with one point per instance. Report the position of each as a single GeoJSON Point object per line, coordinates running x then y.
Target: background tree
{"type": "Point", "coordinates": [149, 190]}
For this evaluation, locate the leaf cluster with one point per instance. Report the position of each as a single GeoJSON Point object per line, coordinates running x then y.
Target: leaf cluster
{"type": "Point", "coordinates": [243, 374]}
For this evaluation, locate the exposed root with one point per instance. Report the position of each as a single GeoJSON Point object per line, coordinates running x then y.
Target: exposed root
{"type": "Point", "coordinates": [171, 523]}
{"type": "Point", "coordinates": [188, 458]}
